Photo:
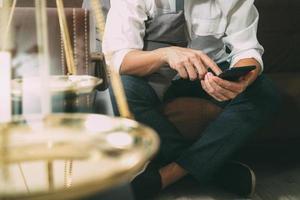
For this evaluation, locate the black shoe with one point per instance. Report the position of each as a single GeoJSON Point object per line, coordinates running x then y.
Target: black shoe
{"type": "Point", "coordinates": [237, 178]}
{"type": "Point", "coordinates": [147, 184]}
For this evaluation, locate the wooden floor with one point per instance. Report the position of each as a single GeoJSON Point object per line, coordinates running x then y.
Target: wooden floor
{"type": "Point", "coordinates": [275, 181]}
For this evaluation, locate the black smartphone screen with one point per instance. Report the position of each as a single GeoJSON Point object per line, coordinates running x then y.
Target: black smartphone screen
{"type": "Point", "coordinates": [233, 74]}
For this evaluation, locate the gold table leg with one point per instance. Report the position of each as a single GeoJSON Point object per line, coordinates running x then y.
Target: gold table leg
{"type": "Point", "coordinates": [116, 82]}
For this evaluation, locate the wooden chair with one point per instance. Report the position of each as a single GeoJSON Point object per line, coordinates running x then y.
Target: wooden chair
{"type": "Point", "coordinates": [25, 46]}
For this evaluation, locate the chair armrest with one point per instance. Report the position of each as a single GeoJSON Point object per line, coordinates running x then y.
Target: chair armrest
{"type": "Point", "coordinates": [97, 58]}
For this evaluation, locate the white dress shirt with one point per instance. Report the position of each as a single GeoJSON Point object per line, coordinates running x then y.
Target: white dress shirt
{"type": "Point", "coordinates": [212, 25]}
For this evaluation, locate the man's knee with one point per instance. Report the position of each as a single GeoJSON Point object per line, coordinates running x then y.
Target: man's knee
{"type": "Point", "coordinates": [138, 92]}
{"type": "Point", "coordinates": [132, 86]}
{"type": "Point", "coordinates": [137, 88]}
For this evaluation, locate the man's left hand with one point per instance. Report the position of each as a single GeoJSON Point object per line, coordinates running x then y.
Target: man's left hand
{"type": "Point", "coordinates": [223, 90]}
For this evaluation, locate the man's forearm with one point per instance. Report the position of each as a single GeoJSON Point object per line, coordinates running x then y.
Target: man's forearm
{"type": "Point", "coordinates": [142, 63]}
{"type": "Point", "coordinates": [187, 62]}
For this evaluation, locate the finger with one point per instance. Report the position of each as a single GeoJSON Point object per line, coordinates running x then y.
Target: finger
{"type": "Point", "coordinates": [235, 87]}
{"type": "Point", "coordinates": [226, 93]}
{"type": "Point", "coordinates": [200, 67]}
{"type": "Point", "coordinates": [212, 91]}
{"type": "Point", "coordinates": [192, 73]}
{"type": "Point", "coordinates": [173, 65]}
{"type": "Point", "coordinates": [207, 90]}
{"type": "Point", "coordinates": [182, 72]}
{"type": "Point", "coordinates": [203, 85]}
{"type": "Point", "coordinates": [209, 63]}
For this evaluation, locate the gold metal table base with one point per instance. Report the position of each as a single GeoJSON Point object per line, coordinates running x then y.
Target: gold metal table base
{"type": "Point", "coordinates": [106, 151]}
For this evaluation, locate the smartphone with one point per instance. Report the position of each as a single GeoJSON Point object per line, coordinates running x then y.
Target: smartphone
{"type": "Point", "coordinates": [235, 73]}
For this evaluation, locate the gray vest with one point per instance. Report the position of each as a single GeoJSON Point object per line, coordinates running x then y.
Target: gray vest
{"type": "Point", "coordinates": [164, 31]}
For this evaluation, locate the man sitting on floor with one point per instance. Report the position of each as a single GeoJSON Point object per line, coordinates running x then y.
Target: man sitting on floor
{"type": "Point", "coordinates": [148, 46]}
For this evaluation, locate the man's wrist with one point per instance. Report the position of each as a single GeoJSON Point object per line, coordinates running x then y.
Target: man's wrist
{"type": "Point", "coordinates": [161, 55]}
{"type": "Point", "coordinates": [247, 62]}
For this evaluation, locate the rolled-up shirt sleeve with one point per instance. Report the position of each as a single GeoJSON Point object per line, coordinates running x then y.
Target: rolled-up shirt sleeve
{"type": "Point", "coordinates": [124, 31]}
{"type": "Point", "coordinates": [241, 33]}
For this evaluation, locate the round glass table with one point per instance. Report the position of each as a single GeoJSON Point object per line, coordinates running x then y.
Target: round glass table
{"type": "Point", "coordinates": [60, 84]}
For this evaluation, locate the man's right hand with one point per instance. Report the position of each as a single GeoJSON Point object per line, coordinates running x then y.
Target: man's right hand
{"type": "Point", "coordinates": [189, 63]}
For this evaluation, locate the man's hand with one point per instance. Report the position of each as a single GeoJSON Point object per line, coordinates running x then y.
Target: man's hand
{"type": "Point", "coordinates": [189, 63]}
{"type": "Point", "coordinates": [223, 90]}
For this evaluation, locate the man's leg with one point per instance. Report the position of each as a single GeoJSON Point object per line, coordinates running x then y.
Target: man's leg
{"type": "Point", "coordinates": [240, 119]}
{"type": "Point", "coordinates": [144, 104]}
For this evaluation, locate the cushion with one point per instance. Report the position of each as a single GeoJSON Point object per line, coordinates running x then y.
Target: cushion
{"type": "Point", "coordinates": [191, 115]}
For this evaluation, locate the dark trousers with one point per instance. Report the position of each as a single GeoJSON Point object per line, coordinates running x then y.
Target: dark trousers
{"type": "Point", "coordinates": [240, 119]}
